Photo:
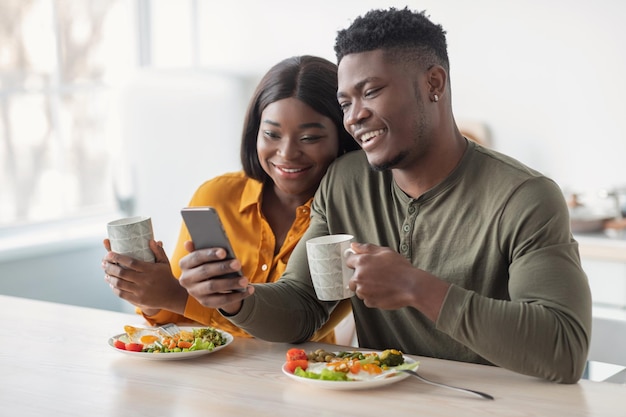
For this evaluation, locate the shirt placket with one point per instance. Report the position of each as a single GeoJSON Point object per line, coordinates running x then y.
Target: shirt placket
{"type": "Point", "coordinates": [406, 232]}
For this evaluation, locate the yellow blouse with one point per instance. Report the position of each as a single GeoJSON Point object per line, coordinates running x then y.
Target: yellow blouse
{"type": "Point", "coordinates": [237, 199]}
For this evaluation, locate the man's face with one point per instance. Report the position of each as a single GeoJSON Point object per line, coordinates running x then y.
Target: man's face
{"type": "Point", "coordinates": [383, 108]}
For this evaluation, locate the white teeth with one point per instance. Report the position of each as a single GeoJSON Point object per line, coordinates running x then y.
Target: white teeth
{"type": "Point", "coordinates": [369, 135]}
{"type": "Point", "coordinates": [291, 170]}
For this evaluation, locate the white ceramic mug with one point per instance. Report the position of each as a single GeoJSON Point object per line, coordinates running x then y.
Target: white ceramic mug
{"type": "Point", "coordinates": [131, 236]}
{"type": "Point", "coordinates": [327, 263]}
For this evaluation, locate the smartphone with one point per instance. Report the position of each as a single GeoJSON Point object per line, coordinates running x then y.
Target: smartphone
{"type": "Point", "coordinates": [206, 230]}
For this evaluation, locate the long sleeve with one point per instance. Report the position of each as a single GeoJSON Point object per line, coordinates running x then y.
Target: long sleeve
{"type": "Point", "coordinates": [544, 326]}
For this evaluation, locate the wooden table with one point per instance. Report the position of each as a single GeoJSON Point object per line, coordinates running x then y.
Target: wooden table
{"type": "Point", "coordinates": [55, 361]}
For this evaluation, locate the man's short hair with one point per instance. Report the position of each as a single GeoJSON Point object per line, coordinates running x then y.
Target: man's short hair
{"type": "Point", "coordinates": [402, 33]}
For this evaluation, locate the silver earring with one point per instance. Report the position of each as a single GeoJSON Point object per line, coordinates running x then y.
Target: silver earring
{"type": "Point", "coordinates": [435, 98]}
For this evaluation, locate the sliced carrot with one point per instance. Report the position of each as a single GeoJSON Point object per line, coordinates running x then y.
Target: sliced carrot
{"type": "Point", "coordinates": [183, 344]}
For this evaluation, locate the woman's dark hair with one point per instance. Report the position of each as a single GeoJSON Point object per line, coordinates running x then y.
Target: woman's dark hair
{"type": "Point", "coordinates": [310, 79]}
{"type": "Point", "coordinates": [402, 33]}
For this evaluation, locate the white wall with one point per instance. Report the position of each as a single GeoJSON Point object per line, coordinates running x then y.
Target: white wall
{"type": "Point", "coordinates": [178, 130]}
{"type": "Point", "coordinates": [547, 77]}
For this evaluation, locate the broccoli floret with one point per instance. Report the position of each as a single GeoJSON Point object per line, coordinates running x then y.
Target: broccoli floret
{"type": "Point", "coordinates": [391, 357]}
{"type": "Point", "coordinates": [209, 334]}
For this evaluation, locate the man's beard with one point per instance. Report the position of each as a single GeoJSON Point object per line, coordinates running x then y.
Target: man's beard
{"type": "Point", "coordinates": [390, 163]}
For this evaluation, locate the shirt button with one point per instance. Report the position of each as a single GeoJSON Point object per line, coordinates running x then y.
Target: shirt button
{"type": "Point", "coordinates": [404, 247]}
{"type": "Point", "coordinates": [406, 227]}
{"type": "Point", "coordinates": [411, 209]}
{"type": "Point", "coordinates": [264, 267]}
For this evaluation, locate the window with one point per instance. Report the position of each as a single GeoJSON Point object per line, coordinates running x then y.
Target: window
{"type": "Point", "coordinates": [59, 62]}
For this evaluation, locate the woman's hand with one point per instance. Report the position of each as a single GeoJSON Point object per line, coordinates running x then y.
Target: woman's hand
{"type": "Point", "coordinates": [149, 286]}
{"type": "Point", "coordinates": [202, 277]}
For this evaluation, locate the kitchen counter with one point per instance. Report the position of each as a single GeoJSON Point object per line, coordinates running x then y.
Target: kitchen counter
{"type": "Point", "coordinates": [602, 247]}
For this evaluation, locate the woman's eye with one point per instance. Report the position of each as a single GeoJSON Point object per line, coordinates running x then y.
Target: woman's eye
{"type": "Point", "coordinates": [310, 138]}
{"type": "Point", "coordinates": [344, 106]}
{"type": "Point", "coordinates": [270, 134]}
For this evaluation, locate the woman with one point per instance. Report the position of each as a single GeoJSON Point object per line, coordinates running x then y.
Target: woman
{"type": "Point", "coordinates": [292, 132]}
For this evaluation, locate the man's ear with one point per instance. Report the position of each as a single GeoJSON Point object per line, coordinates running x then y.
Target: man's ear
{"type": "Point", "coordinates": [437, 79]}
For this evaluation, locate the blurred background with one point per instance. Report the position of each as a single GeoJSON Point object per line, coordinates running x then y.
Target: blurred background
{"type": "Point", "coordinates": [117, 107]}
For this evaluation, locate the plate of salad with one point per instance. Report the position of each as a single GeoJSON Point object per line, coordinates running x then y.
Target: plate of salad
{"type": "Point", "coordinates": [151, 344]}
{"type": "Point", "coordinates": [348, 370]}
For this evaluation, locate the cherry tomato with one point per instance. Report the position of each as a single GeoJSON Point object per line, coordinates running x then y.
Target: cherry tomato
{"type": "Point", "coordinates": [291, 366]}
{"type": "Point", "coordinates": [355, 367]}
{"type": "Point", "coordinates": [119, 344]}
{"type": "Point", "coordinates": [134, 347]}
{"type": "Point", "coordinates": [295, 354]}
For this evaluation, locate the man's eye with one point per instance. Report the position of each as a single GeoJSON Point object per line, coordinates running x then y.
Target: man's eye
{"type": "Point", "coordinates": [372, 92]}
{"type": "Point", "coordinates": [344, 106]}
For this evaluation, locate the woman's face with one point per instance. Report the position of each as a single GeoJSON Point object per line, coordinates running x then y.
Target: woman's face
{"type": "Point", "coordinates": [296, 145]}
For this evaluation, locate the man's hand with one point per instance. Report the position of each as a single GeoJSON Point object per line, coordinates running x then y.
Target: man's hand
{"type": "Point", "coordinates": [385, 279]}
{"type": "Point", "coordinates": [202, 276]}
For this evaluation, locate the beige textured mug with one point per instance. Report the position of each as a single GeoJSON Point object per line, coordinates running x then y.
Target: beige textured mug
{"type": "Point", "coordinates": [131, 236]}
{"type": "Point", "coordinates": [327, 263]}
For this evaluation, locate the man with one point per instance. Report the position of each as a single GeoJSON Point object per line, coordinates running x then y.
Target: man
{"type": "Point", "coordinates": [467, 254]}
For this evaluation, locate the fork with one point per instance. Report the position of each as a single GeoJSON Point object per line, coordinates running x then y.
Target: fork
{"type": "Point", "coordinates": [169, 329]}
{"type": "Point", "coordinates": [439, 384]}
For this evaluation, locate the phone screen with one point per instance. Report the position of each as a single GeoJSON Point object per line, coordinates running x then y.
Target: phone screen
{"type": "Point", "coordinates": [206, 231]}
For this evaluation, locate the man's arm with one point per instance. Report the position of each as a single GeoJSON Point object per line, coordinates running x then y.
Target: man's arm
{"type": "Point", "coordinates": [288, 309]}
{"type": "Point", "coordinates": [545, 329]}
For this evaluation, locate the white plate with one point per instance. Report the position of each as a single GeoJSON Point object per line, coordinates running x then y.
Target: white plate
{"type": "Point", "coordinates": [169, 356]}
{"type": "Point", "coordinates": [350, 385]}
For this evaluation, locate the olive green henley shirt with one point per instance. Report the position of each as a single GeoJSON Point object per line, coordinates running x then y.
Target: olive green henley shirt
{"type": "Point", "coordinates": [495, 229]}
